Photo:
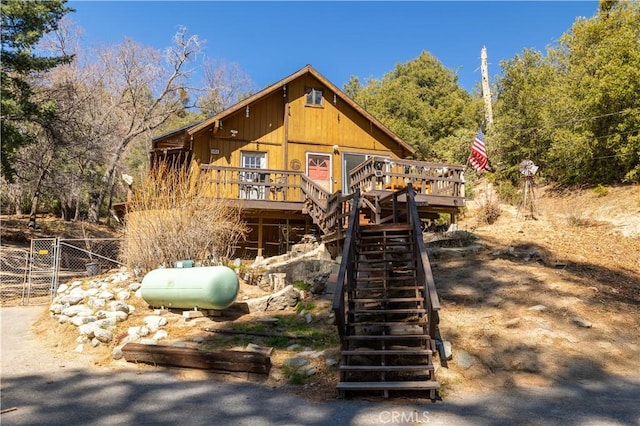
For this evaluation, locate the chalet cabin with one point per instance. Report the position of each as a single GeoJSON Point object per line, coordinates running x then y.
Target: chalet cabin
{"type": "Point", "coordinates": [299, 158]}
{"type": "Point", "coordinates": [292, 154]}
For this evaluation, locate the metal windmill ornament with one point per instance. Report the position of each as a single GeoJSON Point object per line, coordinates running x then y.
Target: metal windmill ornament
{"type": "Point", "coordinates": [528, 169]}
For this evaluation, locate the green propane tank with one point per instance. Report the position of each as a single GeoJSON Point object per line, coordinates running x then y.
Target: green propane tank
{"type": "Point", "coordinates": [207, 287]}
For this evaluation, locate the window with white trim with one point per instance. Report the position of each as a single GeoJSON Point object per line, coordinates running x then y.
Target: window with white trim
{"type": "Point", "coordinates": [314, 96]}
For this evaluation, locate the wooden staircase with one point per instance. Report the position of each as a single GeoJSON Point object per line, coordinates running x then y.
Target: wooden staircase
{"type": "Point", "coordinates": [388, 347]}
{"type": "Point", "coordinates": [386, 309]}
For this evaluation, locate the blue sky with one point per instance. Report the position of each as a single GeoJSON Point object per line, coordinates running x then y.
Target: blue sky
{"type": "Point", "coordinates": [270, 40]}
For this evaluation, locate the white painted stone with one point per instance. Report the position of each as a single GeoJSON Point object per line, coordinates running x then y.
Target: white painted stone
{"type": "Point", "coordinates": [79, 320]}
{"type": "Point", "coordinates": [77, 310]}
{"type": "Point", "coordinates": [117, 352]}
{"type": "Point", "coordinates": [88, 330]}
{"type": "Point", "coordinates": [106, 323]}
{"type": "Point", "coordinates": [56, 308]}
{"type": "Point", "coordinates": [106, 295]}
{"type": "Point", "coordinates": [123, 295]}
{"type": "Point", "coordinates": [103, 335]}
{"type": "Point", "coordinates": [134, 286]}
{"type": "Point", "coordinates": [160, 334]}
{"type": "Point", "coordinates": [154, 322]}
{"type": "Point", "coordinates": [119, 306]}
{"type": "Point", "coordinates": [96, 303]}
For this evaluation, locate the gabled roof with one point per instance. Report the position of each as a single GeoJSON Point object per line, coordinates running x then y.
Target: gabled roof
{"type": "Point", "coordinates": [277, 86]}
{"type": "Point", "coordinates": [176, 131]}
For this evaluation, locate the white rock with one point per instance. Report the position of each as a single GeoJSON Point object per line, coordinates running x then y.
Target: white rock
{"type": "Point", "coordinates": [95, 342]}
{"type": "Point", "coordinates": [96, 303]}
{"type": "Point", "coordinates": [123, 295]}
{"type": "Point", "coordinates": [154, 322]}
{"type": "Point", "coordinates": [80, 310]}
{"type": "Point", "coordinates": [106, 323]}
{"type": "Point", "coordinates": [88, 330]}
{"type": "Point", "coordinates": [106, 295]}
{"type": "Point", "coordinates": [62, 319]}
{"type": "Point", "coordinates": [134, 331]}
{"type": "Point", "coordinates": [71, 299]}
{"type": "Point", "coordinates": [56, 308]}
{"type": "Point", "coordinates": [79, 349]}
{"type": "Point", "coordinates": [119, 306]}
{"type": "Point", "coordinates": [134, 286]}
{"type": "Point", "coordinates": [79, 320]}
{"type": "Point", "coordinates": [103, 335]}
{"type": "Point", "coordinates": [117, 352]}
{"type": "Point", "coordinates": [62, 288]}
{"type": "Point", "coordinates": [160, 334]}
{"type": "Point", "coordinates": [82, 339]}
{"type": "Point", "coordinates": [91, 292]}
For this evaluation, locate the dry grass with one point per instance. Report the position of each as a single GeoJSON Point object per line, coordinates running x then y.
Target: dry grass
{"type": "Point", "coordinates": [172, 217]}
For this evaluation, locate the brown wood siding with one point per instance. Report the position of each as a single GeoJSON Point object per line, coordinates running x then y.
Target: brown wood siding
{"type": "Point", "coordinates": [311, 129]}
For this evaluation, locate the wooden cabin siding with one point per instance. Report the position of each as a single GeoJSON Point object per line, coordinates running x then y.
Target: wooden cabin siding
{"type": "Point", "coordinates": [310, 129]}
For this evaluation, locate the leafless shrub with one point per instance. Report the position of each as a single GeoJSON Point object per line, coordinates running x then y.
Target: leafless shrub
{"type": "Point", "coordinates": [172, 216]}
{"type": "Point", "coordinates": [489, 210]}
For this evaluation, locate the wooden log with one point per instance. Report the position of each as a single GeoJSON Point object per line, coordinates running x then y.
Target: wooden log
{"type": "Point", "coordinates": [237, 361]}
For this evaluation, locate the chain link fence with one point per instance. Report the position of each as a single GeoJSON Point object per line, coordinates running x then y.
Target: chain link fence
{"type": "Point", "coordinates": [31, 276]}
{"type": "Point", "coordinates": [14, 264]}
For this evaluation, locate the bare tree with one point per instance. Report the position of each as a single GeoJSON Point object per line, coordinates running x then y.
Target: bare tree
{"type": "Point", "coordinates": [225, 84]}
{"type": "Point", "coordinates": [138, 94]}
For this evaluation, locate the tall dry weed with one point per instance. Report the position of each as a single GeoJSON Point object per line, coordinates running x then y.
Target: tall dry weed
{"type": "Point", "coordinates": [172, 217]}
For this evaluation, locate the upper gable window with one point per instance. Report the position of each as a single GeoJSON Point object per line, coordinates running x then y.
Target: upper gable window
{"type": "Point", "coordinates": [314, 96]}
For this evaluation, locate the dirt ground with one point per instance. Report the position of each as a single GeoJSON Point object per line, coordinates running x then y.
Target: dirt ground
{"type": "Point", "coordinates": [531, 302]}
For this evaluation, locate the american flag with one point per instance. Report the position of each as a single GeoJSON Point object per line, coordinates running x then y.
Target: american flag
{"type": "Point", "coordinates": [478, 157]}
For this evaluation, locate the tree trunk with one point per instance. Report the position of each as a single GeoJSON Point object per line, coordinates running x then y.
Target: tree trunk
{"type": "Point", "coordinates": [97, 200]}
{"type": "Point", "coordinates": [36, 199]}
{"type": "Point", "coordinates": [77, 213]}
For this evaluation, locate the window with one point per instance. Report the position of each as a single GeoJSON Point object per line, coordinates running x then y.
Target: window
{"type": "Point", "coordinates": [314, 96]}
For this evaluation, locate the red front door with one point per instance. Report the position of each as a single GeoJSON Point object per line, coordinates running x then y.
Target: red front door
{"type": "Point", "coordinates": [319, 169]}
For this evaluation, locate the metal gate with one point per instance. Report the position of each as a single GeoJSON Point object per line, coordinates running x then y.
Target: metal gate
{"type": "Point", "coordinates": [32, 277]}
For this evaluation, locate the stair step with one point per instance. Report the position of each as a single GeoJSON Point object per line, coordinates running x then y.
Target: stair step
{"type": "Point", "coordinates": [389, 311]}
{"type": "Point", "coordinates": [387, 352]}
{"type": "Point", "coordinates": [422, 322]}
{"type": "Point", "coordinates": [381, 268]}
{"type": "Point", "coordinates": [389, 337]}
{"type": "Point", "coordinates": [412, 385]}
{"type": "Point", "coordinates": [379, 278]}
{"type": "Point", "coordinates": [388, 299]}
{"type": "Point", "coordinates": [386, 227]}
{"type": "Point", "coordinates": [386, 367]}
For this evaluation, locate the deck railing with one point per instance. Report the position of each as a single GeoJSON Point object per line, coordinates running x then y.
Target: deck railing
{"type": "Point", "coordinates": [253, 184]}
{"type": "Point", "coordinates": [379, 173]}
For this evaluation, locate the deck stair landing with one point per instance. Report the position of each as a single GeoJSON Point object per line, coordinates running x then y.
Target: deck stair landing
{"type": "Point", "coordinates": [386, 347]}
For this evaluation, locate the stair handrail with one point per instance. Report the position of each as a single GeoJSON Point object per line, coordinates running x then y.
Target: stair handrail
{"type": "Point", "coordinates": [424, 265]}
{"type": "Point", "coordinates": [346, 271]}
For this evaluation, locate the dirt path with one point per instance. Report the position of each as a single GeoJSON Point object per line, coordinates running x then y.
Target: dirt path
{"type": "Point", "coordinates": [546, 301]}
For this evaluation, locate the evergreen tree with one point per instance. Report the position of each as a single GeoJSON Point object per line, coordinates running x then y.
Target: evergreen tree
{"type": "Point", "coordinates": [23, 25]}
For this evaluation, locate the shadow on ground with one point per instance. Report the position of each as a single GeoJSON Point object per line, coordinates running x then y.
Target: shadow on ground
{"type": "Point", "coordinates": [78, 397]}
